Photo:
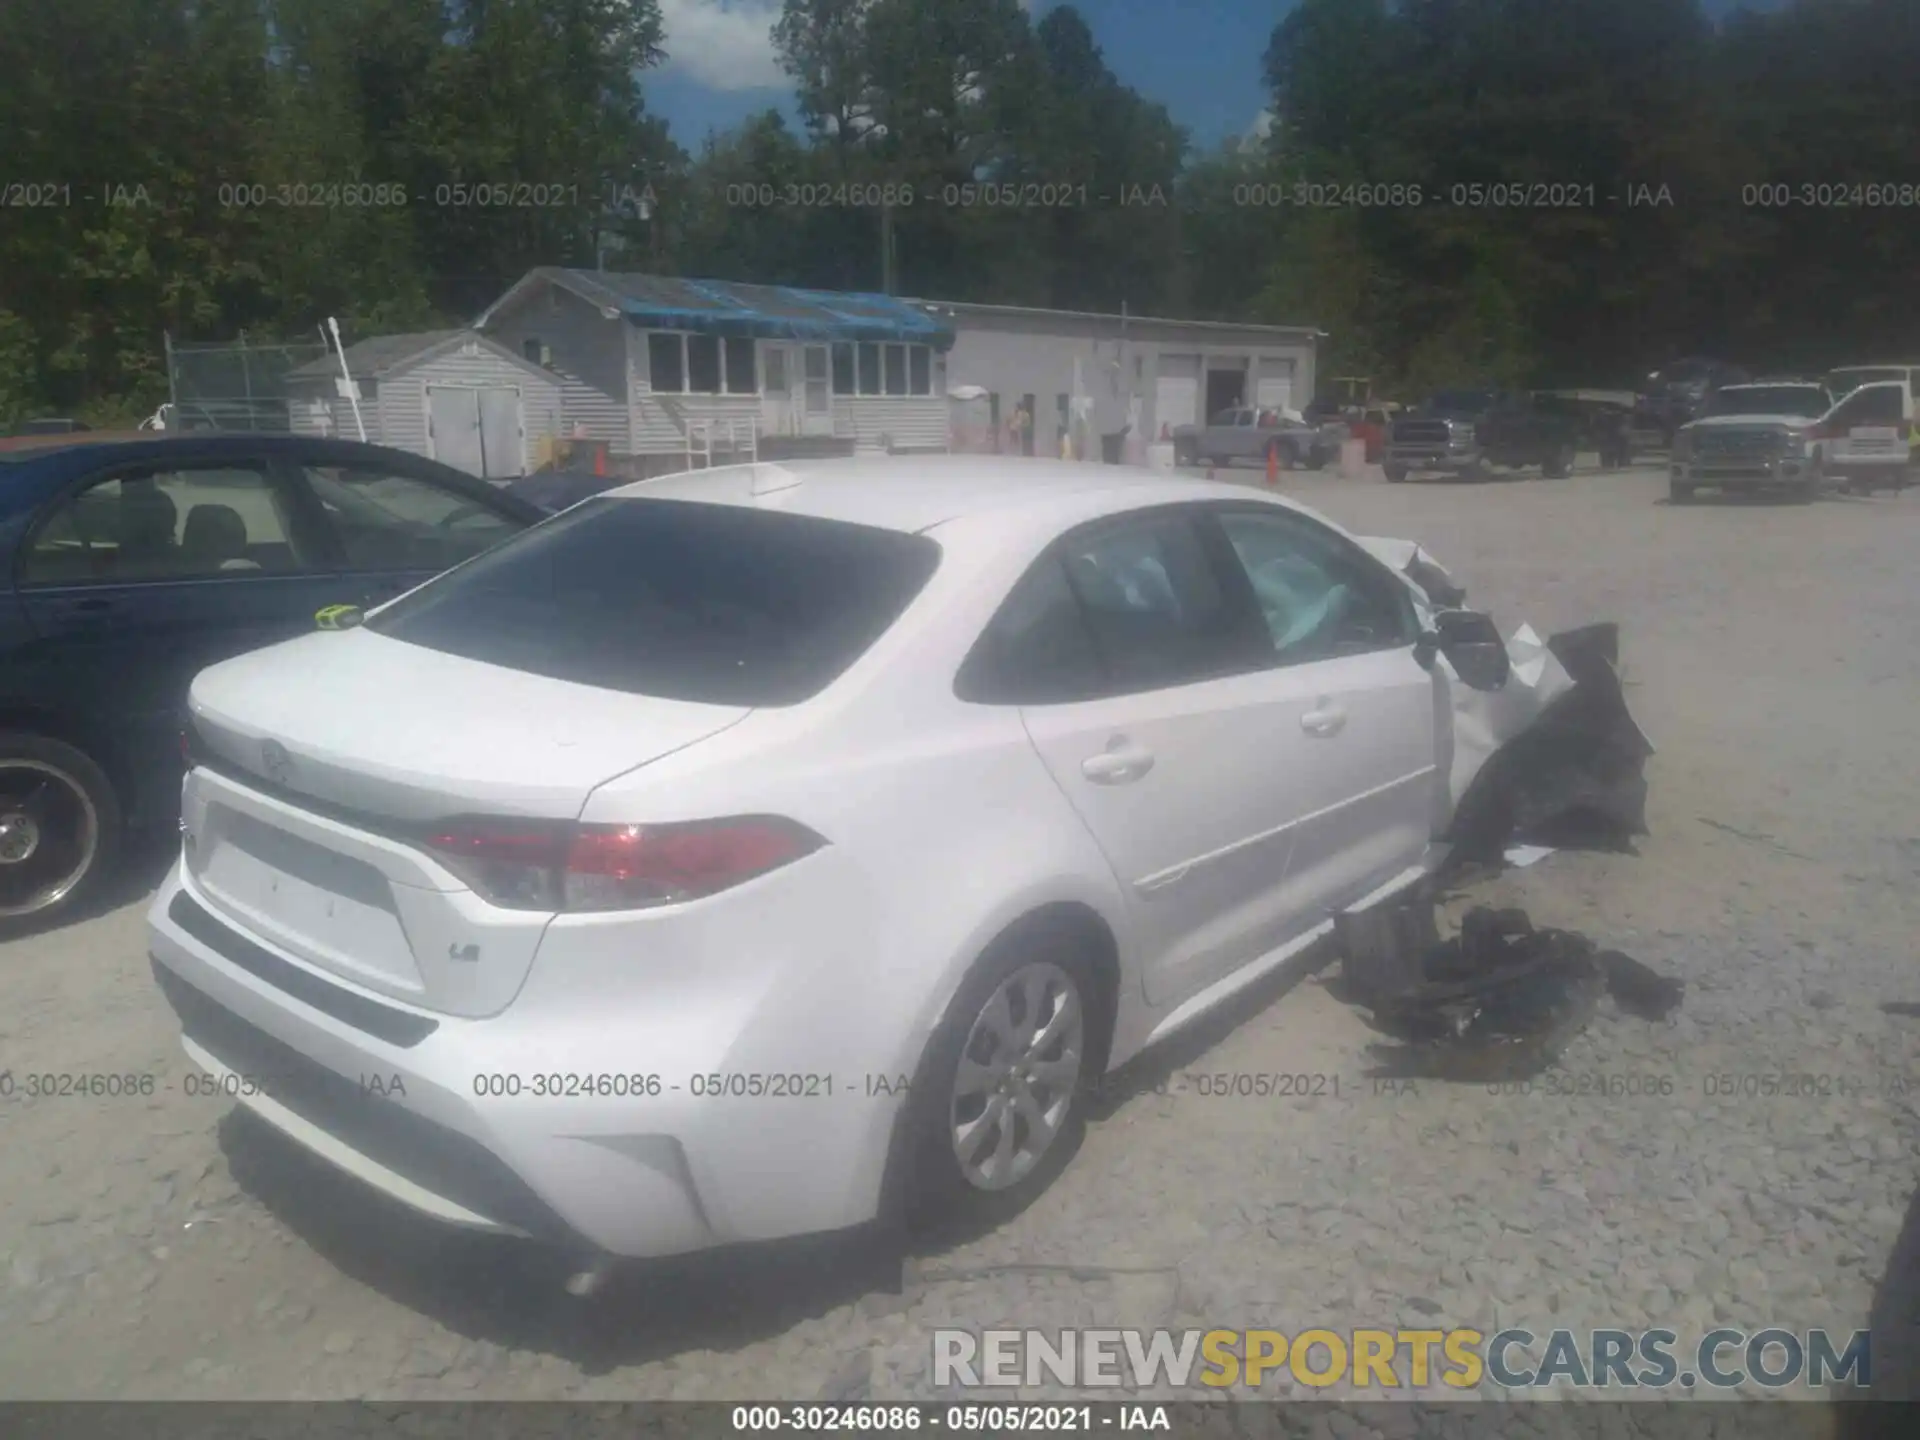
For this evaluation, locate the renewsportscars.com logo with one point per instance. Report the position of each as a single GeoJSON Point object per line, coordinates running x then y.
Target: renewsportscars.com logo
{"type": "Point", "coordinates": [1382, 1359]}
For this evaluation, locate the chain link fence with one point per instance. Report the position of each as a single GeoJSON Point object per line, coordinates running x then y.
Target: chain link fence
{"type": "Point", "coordinates": [236, 385]}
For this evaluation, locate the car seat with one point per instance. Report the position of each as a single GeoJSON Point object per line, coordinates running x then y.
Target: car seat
{"type": "Point", "coordinates": [215, 538]}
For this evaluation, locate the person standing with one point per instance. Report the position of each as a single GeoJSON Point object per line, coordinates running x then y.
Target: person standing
{"type": "Point", "coordinates": [1022, 429]}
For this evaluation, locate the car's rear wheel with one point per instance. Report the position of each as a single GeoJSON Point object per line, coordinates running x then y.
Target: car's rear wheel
{"type": "Point", "coordinates": [1000, 1099]}
{"type": "Point", "coordinates": [60, 827]}
{"type": "Point", "coordinates": [1396, 474]}
{"type": "Point", "coordinates": [1559, 464]}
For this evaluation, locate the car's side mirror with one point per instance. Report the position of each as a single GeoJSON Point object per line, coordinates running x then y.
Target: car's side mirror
{"type": "Point", "coordinates": [1472, 644]}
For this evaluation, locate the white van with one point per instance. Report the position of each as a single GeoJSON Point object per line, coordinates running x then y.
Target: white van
{"type": "Point", "coordinates": [1865, 443]}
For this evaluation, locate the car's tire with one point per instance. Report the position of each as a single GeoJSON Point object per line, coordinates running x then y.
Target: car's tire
{"type": "Point", "coordinates": [1396, 474]}
{"type": "Point", "coordinates": [1183, 453]}
{"type": "Point", "coordinates": [1558, 465]}
{"type": "Point", "coordinates": [1042, 968]}
{"type": "Point", "coordinates": [60, 829]}
{"type": "Point", "coordinates": [1679, 493]}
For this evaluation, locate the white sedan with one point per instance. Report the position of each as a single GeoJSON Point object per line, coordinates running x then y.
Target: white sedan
{"type": "Point", "coordinates": [776, 849]}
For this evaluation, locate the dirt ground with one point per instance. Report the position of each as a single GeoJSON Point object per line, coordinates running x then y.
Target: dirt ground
{"type": "Point", "coordinates": [164, 1247]}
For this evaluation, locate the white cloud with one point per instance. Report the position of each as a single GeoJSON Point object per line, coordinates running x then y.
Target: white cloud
{"type": "Point", "coordinates": [727, 44]}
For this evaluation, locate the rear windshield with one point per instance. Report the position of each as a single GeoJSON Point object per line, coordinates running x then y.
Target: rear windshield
{"type": "Point", "coordinates": [1809, 401]}
{"type": "Point", "coordinates": [708, 603]}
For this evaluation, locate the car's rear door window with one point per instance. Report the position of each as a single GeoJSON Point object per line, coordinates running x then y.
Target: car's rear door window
{"type": "Point", "coordinates": [1154, 603]}
{"type": "Point", "coordinates": [1037, 650]}
{"type": "Point", "coordinates": [710, 603]}
{"type": "Point", "coordinates": [168, 523]}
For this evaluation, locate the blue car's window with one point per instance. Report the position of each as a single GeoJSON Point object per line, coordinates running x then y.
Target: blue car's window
{"type": "Point", "coordinates": [401, 522]}
{"type": "Point", "coordinates": [165, 525]}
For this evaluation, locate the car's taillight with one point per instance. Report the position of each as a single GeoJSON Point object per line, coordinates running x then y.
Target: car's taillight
{"type": "Point", "coordinates": [530, 865]}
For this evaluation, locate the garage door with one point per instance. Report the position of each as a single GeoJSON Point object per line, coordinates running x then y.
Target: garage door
{"type": "Point", "coordinates": [1273, 387]}
{"type": "Point", "coordinates": [1176, 391]}
{"type": "Point", "coordinates": [453, 428]}
{"type": "Point", "coordinates": [503, 435]}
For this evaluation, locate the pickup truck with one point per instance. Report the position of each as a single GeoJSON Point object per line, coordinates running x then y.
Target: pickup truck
{"type": "Point", "coordinates": [1468, 432]}
{"type": "Point", "coordinates": [1245, 433]}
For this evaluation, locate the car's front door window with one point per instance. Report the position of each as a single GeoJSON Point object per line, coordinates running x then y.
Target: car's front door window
{"type": "Point", "coordinates": [167, 523]}
{"type": "Point", "coordinates": [389, 521]}
{"type": "Point", "coordinates": [1320, 596]}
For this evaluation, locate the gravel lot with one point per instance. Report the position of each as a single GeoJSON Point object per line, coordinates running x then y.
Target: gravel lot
{"type": "Point", "coordinates": [164, 1247]}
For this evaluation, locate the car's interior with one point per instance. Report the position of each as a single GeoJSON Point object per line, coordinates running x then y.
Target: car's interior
{"type": "Point", "coordinates": [171, 526]}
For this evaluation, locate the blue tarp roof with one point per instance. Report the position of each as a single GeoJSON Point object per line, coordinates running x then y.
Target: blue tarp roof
{"type": "Point", "coordinates": [730, 307]}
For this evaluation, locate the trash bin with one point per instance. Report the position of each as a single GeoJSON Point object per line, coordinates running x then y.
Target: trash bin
{"type": "Point", "coordinates": [1110, 447]}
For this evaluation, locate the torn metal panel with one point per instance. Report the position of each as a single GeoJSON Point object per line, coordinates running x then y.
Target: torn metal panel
{"type": "Point", "coordinates": [1498, 1001]}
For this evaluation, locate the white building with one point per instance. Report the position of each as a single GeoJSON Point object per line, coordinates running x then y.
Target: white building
{"type": "Point", "coordinates": [669, 370]}
{"type": "Point", "coordinates": [451, 395]}
{"type": "Point", "coordinates": [1141, 374]}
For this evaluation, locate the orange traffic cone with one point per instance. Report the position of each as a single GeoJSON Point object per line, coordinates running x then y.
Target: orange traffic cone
{"type": "Point", "coordinates": [1273, 466]}
{"type": "Point", "coordinates": [600, 460]}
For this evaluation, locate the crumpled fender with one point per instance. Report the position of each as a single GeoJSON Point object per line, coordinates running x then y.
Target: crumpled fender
{"type": "Point", "coordinates": [1482, 720]}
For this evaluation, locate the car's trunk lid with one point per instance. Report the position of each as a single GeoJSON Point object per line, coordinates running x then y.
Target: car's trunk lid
{"type": "Point", "coordinates": [325, 762]}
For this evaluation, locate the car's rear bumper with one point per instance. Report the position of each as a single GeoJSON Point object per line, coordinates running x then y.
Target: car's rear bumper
{"type": "Point", "coordinates": [599, 1142]}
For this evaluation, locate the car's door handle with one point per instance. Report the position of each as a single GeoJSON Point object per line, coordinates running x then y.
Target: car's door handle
{"type": "Point", "coordinates": [1119, 765]}
{"type": "Point", "coordinates": [1327, 720]}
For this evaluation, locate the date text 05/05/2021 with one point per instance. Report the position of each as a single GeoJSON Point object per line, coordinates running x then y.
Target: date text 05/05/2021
{"type": "Point", "coordinates": [962, 1419]}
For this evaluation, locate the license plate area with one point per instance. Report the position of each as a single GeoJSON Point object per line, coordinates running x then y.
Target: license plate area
{"type": "Point", "coordinates": [330, 909]}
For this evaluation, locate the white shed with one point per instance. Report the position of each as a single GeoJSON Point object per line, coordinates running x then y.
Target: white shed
{"type": "Point", "coordinates": [452, 395]}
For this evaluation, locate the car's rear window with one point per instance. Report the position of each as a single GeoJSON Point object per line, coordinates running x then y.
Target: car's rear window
{"type": "Point", "coordinates": [710, 603]}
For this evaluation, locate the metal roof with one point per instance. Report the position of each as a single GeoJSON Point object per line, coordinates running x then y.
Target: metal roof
{"type": "Point", "coordinates": [962, 307]}
{"type": "Point", "coordinates": [732, 307]}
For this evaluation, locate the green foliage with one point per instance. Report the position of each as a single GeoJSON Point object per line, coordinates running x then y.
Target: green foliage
{"type": "Point", "coordinates": [443, 147]}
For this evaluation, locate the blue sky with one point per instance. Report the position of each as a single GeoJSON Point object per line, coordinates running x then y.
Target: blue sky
{"type": "Point", "coordinates": [1199, 58]}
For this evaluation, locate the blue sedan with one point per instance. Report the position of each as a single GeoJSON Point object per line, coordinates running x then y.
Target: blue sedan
{"type": "Point", "coordinates": [135, 562]}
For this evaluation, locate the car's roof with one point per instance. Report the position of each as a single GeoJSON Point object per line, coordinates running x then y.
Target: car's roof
{"type": "Point", "coordinates": [138, 444]}
{"type": "Point", "coordinates": [915, 494]}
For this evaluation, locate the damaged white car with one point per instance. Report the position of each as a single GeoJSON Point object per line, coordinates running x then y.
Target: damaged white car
{"type": "Point", "coordinates": [778, 849]}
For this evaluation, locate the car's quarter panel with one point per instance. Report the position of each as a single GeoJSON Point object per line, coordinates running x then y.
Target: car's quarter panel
{"type": "Point", "coordinates": [942, 830]}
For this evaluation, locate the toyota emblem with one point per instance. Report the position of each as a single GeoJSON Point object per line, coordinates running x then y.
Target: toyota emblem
{"type": "Point", "coordinates": [275, 759]}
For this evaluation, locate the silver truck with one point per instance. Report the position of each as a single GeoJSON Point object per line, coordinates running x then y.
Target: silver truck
{"type": "Point", "coordinates": [1752, 437]}
{"type": "Point", "coordinates": [1250, 433]}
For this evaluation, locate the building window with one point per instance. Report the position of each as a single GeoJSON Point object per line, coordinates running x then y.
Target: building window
{"type": "Point", "coordinates": [666, 362]}
{"type": "Point", "coordinates": [869, 369]}
{"type": "Point", "coordinates": [703, 365]}
{"type": "Point", "coordinates": [741, 377]}
{"type": "Point", "coordinates": [896, 369]}
{"type": "Point", "coordinates": [843, 370]}
{"type": "Point", "coordinates": [920, 369]}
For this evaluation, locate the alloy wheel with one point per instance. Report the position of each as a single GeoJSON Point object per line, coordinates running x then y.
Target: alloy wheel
{"type": "Point", "coordinates": [49, 835]}
{"type": "Point", "coordinates": [1017, 1076]}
